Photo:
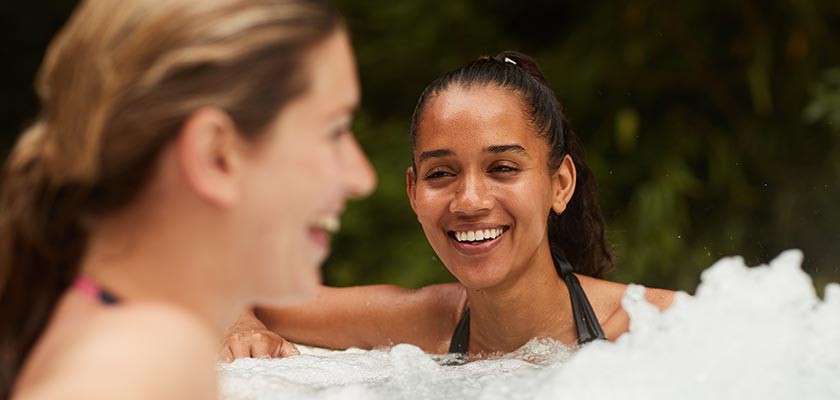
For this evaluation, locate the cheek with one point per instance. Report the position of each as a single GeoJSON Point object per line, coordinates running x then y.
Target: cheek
{"type": "Point", "coordinates": [284, 191]}
{"type": "Point", "coordinates": [309, 172]}
{"type": "Point", "coordinates": [529, 205]}
{"type": "Point", "coordinates": [430, 206]}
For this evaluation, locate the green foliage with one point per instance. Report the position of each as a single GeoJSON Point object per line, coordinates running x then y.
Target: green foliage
{"type": "Point", "coordinates": [825, 105]}
{"type": "Point", "coordinates": [712, 127]}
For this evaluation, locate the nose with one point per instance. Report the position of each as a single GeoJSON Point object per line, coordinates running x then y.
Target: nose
{"type": "Point", "coordinates": [359, 176]}
{"type": "Point", "coordinates": [472, 196]}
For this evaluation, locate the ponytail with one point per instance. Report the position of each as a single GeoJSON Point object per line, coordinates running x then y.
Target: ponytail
{"type": "Point", "coordinates": [41, 242]}
{"type": "Point", "coordinates": [578, 233]}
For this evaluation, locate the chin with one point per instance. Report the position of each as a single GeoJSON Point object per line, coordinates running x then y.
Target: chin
{"type": "Point", "coordinates": [480, 284]}
{"type": "Point", "coordinates": [477, 277]}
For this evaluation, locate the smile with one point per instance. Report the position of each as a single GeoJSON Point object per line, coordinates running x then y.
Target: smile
{"type": "Point", "coordinates": [330, 224]}
{"type": "Point", "coordinates": [321, 230]}
{"type": "Point", "coordinates": [477, 242]}
{"type": "Point", "coordinates": [477, 236]}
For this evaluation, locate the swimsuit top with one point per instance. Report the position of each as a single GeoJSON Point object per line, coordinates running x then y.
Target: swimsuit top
{"type": "Point", "coordinates": [91, 289]}
{"type": "Point", "coordinates": [586, 322]}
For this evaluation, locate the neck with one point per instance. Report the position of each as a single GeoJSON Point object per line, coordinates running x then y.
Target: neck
{"type": "Point", "coordinates": [140, 255]}
{"type": "Point", "coordinates": [533, 304]}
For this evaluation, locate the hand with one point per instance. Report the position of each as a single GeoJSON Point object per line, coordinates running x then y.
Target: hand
{"type": "Point", "coordinates": [249, 337]}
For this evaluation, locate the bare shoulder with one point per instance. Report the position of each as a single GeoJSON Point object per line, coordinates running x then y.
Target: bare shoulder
{"type": "Point", "coordinates": [444, 304]}
{"type": "Point", "coordinates": [138, 351]}
{"type": "Point", "coordinates": [448, 298]}
{"type": "Point", "coordinates": [606, 296]}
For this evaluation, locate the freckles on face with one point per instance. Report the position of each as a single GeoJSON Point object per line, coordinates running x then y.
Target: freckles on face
{"type": "Point", "coordinates": [483, 189]}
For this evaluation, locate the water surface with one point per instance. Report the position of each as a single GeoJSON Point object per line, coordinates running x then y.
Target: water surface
{"type": "Point", "coordinates": [748, 333]}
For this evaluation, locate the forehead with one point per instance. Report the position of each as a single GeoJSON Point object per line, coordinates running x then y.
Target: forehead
{"type": "Point", "coordinates": [333, 80]}
{"type": "Point", "coordinates": [474, 116]}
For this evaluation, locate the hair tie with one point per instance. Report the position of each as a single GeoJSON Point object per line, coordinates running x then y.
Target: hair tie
{"type": "Point", "coordinates": [508, 60]}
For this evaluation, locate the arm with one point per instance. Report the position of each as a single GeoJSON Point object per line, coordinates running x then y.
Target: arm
{"type": "Point", "coordinates": [371, 316]}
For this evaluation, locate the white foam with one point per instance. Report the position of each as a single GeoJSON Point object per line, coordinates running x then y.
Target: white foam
{"type": "Point", "coordinates": [748, 333]}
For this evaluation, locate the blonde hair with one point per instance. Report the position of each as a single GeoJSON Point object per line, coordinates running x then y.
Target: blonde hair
{"type": "Point", "coordinates": [115, 86]}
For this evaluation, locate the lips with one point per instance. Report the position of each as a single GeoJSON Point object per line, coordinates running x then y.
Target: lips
{"type": "Point", "coordinates": [320, 231]}
{"type": "Point", "coordinates": [477, 235]}
{"type": "Point", "coordinates": [476, 241]}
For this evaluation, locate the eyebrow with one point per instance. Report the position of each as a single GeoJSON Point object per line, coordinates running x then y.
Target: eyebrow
{"type": "Point", "coordinates": [439, 153]}
{"type": "Point", "coordinates": [495, 149]}
{"type": "Point", "coordinates": [349, 108]}
{"type": "Point", "coordinates": [503, 148]}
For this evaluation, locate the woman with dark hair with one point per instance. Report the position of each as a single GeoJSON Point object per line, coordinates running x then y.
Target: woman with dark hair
{"type": "Point", "coordinates": [502, 191]}
{"type": "Point", "coordinates": [150, 204]}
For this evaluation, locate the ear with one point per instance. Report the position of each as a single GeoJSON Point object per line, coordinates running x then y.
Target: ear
{"type": "Point", "coordinates": [411, 186]}
{"type": "Point", "coordinates": [208, 151]}
{"type": "Point", "coordinates": [563, 184]}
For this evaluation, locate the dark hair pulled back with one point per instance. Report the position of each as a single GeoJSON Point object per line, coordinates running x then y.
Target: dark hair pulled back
{"type": "Point", "coordinates": [577, 234]}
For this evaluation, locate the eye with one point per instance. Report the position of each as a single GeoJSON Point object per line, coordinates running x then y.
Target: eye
{"type": "Point", "coordinates": [436, 174]}
{"type": "Point", "coordinates": [503, 169]}
{"type": "Point", "coordinates": [337, 133]}
{"type": "Point", "coordinates": [340, 129]}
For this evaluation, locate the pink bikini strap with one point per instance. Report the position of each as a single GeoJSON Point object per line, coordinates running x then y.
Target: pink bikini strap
{"type": "Point", "coordinates": [91, 289]}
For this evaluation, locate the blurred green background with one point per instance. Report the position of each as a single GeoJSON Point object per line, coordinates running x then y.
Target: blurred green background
{"type": "Point", "coordinates": [713, 127]}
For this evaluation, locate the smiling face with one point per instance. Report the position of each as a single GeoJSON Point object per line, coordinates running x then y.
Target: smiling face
{"type": "Point", "coordinates": [301, 174]}
{"type": "Point", "coordinates": [481, 186]}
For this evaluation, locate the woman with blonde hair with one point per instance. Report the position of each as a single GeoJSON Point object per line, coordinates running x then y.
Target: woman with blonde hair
{"type": "Point", "coordinates": [191, 159]}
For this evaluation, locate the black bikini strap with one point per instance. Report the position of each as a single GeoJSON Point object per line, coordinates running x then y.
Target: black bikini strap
{"type": "Point", "coordinates": [586, 322]}
{"type": "Point", "coordinates": [460, 342]}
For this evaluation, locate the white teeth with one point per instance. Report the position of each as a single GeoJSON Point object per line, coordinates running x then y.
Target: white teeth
{"type": "Point", "coordinates": [329, 224]}
{"type": "Point", "coordinates": [470, 236]}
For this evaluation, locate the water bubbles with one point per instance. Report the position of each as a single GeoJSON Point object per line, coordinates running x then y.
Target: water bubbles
{"type": "Point", "coordinates": [758, 332]}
